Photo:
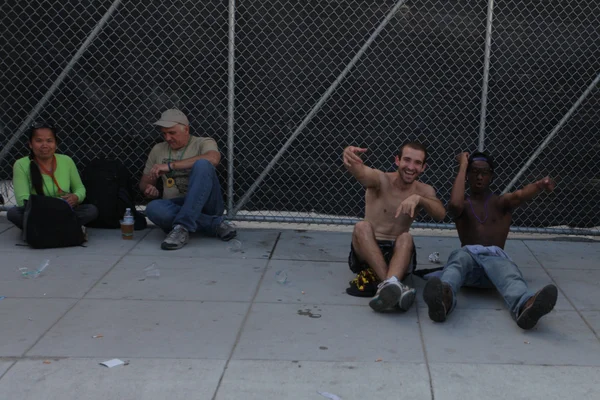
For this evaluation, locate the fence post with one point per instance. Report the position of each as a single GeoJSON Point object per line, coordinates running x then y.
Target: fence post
{"type": "Point", "coordinates": [38, 107]}
{"type": "Point", "coordinates": [486, 75]}
{"type": "Point", "coordinates": [230, 108]}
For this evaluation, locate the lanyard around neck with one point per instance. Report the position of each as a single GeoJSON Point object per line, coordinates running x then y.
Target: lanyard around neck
{"type": "Point", "coordinates": [183, 152]}
{"type": "Point", "coordinates": [50, 173]}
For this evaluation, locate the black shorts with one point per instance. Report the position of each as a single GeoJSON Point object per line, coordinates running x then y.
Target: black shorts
{"type": "Point", "coordinates": [387, 249]}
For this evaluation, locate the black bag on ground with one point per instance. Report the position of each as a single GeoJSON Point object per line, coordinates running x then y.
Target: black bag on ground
{"type": "Point", "coordinates": [50, 222]}
{"type": "Point", "coordinates": [108, 187]}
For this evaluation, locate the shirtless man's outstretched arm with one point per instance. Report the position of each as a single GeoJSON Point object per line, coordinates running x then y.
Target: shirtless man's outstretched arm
{"type": "Point", "coordinates": [511, 201]}
{"type": "Point", "coordinates": [368, 177]}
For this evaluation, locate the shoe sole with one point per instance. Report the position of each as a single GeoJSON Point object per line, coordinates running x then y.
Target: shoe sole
{"type": "Point", "coordinates": [407, 299]}
{"type": "Point", "coordinates": [434, 297]}
{"type": "Point", "coordinates": [387, 298]}
{"type": "Point", "coordinates": [542, 305]}
{"type": "Point", "coordinates": [167, 246]}
{"type": "Point", "coordinates": [228, 237]}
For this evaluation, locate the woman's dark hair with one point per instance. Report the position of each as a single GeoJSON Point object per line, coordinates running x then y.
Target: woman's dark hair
{"type": "Point", "coordinates": [34, 170]}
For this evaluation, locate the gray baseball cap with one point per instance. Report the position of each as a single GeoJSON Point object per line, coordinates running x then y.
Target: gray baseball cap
{"type": "Point", "coordinates": [172, 117]}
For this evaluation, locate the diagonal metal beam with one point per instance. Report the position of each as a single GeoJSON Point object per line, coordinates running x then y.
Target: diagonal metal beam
{"type": "Point", "coordinates": [318, 106]}
{"type": "Point", "coordinates": [38, 107]}
{"type": "Point", "coordinates": [551, 135]}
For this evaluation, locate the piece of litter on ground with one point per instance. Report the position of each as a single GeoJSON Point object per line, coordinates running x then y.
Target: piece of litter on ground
{"type": "Point", "coordinates": [434, 257]}
{"type": "Point", "coordinates": [47, 362]}
{"type": "Point", "coordinates": [235, 246]}
{"type": "Point", "coordinates": [2, 297]}
{"type": "Point", "coordinates": [126, 363]}
{"type": "Point", "coordinates": [151, 271]}
{"type": "Point", "coordinates": [281, 277]}
{"type": "Point", "coordinates": [97, 336]}
{"type": "Point", "coordinates": [30, 319]}
{"type": "Point", "coordinates": [303, 292]}
{"type": "Point", "coordinates": [112, 363]}
{"type": "Point", "coordinates": [329, 395]}
{"type": "Point", "coordinates": [379, 360]}
{"type": "Point", "coordinates": [526, 342]}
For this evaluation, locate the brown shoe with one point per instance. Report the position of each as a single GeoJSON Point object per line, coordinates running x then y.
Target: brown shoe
{"type": "Point", "coordinates": [438, 296]}
{"type": "Point", "coordinates": [537, 306]}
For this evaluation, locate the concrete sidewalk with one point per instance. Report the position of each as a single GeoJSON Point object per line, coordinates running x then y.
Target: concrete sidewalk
{"type": "Point", "coordinates": [222, 324]}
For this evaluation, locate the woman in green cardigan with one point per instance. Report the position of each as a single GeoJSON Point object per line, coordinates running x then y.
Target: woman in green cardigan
{"type": "Point", "coordinates": [49, 174]}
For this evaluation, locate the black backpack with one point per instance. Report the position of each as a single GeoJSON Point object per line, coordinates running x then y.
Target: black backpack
{"type": "Point", "coordinates": [108, 187]}
{"type": "Point", "coordinates": [50, 222]}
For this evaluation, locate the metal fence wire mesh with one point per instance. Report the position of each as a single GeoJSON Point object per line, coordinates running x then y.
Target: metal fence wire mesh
{"type": "Point", "coordinates": [104, 70]}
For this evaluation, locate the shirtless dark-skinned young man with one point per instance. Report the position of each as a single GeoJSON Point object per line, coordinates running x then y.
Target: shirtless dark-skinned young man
{"type": "Point", "coordinates": [483, 220]}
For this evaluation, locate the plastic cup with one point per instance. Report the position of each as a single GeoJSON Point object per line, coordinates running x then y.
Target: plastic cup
{"type": "Point", "coordinates": [127, 230]}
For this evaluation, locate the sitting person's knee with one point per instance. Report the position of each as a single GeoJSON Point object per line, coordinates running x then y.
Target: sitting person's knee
{"type": "Point", "coordinates": [13, 214]}
{"type": "Point", "coordinates": [459, 255]}
{"type": "Point", "coordinates": [363, 228]}
{"type": "Point", "coordinates": [203, 165]}
{"type": "Point", "coordinates": [153, 208]}
{"type": "Point", "coordinates": [403, 240]}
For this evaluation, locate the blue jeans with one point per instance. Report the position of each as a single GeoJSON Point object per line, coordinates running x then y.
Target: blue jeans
{"type": "Point", "coordinates": [464, 268]}
{"type": "Point", "coordinates": [201, 210]}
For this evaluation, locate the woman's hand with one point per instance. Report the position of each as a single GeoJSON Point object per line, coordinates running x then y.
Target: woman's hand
{"type": "Point", "coordinates": [72, 199]}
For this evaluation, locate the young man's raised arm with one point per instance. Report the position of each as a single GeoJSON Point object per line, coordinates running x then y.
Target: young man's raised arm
{"type": "Point", "coordinates": [510, 201]}
{"type": "Point", "coordinates": [368, 177]}
{"type": "Point", "coordinates": [457, 196]}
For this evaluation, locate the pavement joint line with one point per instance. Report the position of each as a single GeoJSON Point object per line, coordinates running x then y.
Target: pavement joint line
{"type": "Point", "coordinates": [431, 391]}
{"type": "Point", "coordinates": [78, 300]}
{"type": "Point", "coordinates": [243, 324]}
{"type": "Point", "coordinates": [564, 294]}
{"type": "Point", "coordinates": [8, 369]}
{"type": "Point", "coordinates": [362, 362]}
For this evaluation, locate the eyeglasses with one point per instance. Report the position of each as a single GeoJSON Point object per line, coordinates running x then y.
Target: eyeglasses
{"type": "Point", "coordinates": [482, 171]}
{"type": "Point", "coordinates": [42, 124]}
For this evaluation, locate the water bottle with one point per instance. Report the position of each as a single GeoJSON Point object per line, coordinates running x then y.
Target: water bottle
{"type": "Point", "coordinates": [128, 217]}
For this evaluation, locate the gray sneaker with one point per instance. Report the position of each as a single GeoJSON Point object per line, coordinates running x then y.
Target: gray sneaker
{"type": "Point", "coordinates": [176, 239]}
{"type": "Point", "coordinates": [393, 295]}
{"type": "Point", "coordinates": [387, 295]}
{"type": "Point", "coordinates": [407, 298]}
{"type": "Point", "coordinates": [226, 231]}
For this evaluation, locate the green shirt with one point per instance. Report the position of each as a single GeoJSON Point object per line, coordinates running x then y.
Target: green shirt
{"type": "Point", "coordinates": [66, 175]}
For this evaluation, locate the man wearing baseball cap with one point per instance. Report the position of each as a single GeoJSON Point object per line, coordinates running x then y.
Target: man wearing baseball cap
{"type": "Point", "coordinates": [192, 199]}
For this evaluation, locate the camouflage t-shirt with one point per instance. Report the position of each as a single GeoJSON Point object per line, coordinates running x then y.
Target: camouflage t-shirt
{"type": "Point", "coordinates": [160, 155]}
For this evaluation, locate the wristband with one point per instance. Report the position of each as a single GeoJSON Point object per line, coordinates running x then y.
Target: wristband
{"type": "Point", "coordinates": [169, 165]}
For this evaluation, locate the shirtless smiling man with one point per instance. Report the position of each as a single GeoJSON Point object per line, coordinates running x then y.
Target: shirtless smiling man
{"type": "Point", "coordinates": [483, 220]}
{"type": "Point", "coordinates": [382, 250]}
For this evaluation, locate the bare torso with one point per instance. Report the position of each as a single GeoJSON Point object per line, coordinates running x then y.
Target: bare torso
{"type": "Point", "coordinates": [381, 205]}
{"type": "Point", "coordinates": [492, 231]}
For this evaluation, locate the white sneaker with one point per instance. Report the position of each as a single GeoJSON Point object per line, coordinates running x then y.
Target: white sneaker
{"type": "Point", "coordinates": [387, 296]}
{"type": "Point", "coordinates": [407, 298]}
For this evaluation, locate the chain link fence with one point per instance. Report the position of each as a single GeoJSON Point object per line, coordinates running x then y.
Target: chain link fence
{"type": "Point", "coordinates": [284, 86]}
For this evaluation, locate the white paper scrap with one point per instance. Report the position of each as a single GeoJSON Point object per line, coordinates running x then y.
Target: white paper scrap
{"type": "Point", "coordinates": [329, 395]}
{"type": "Point", "coordinates": [112, 363]}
